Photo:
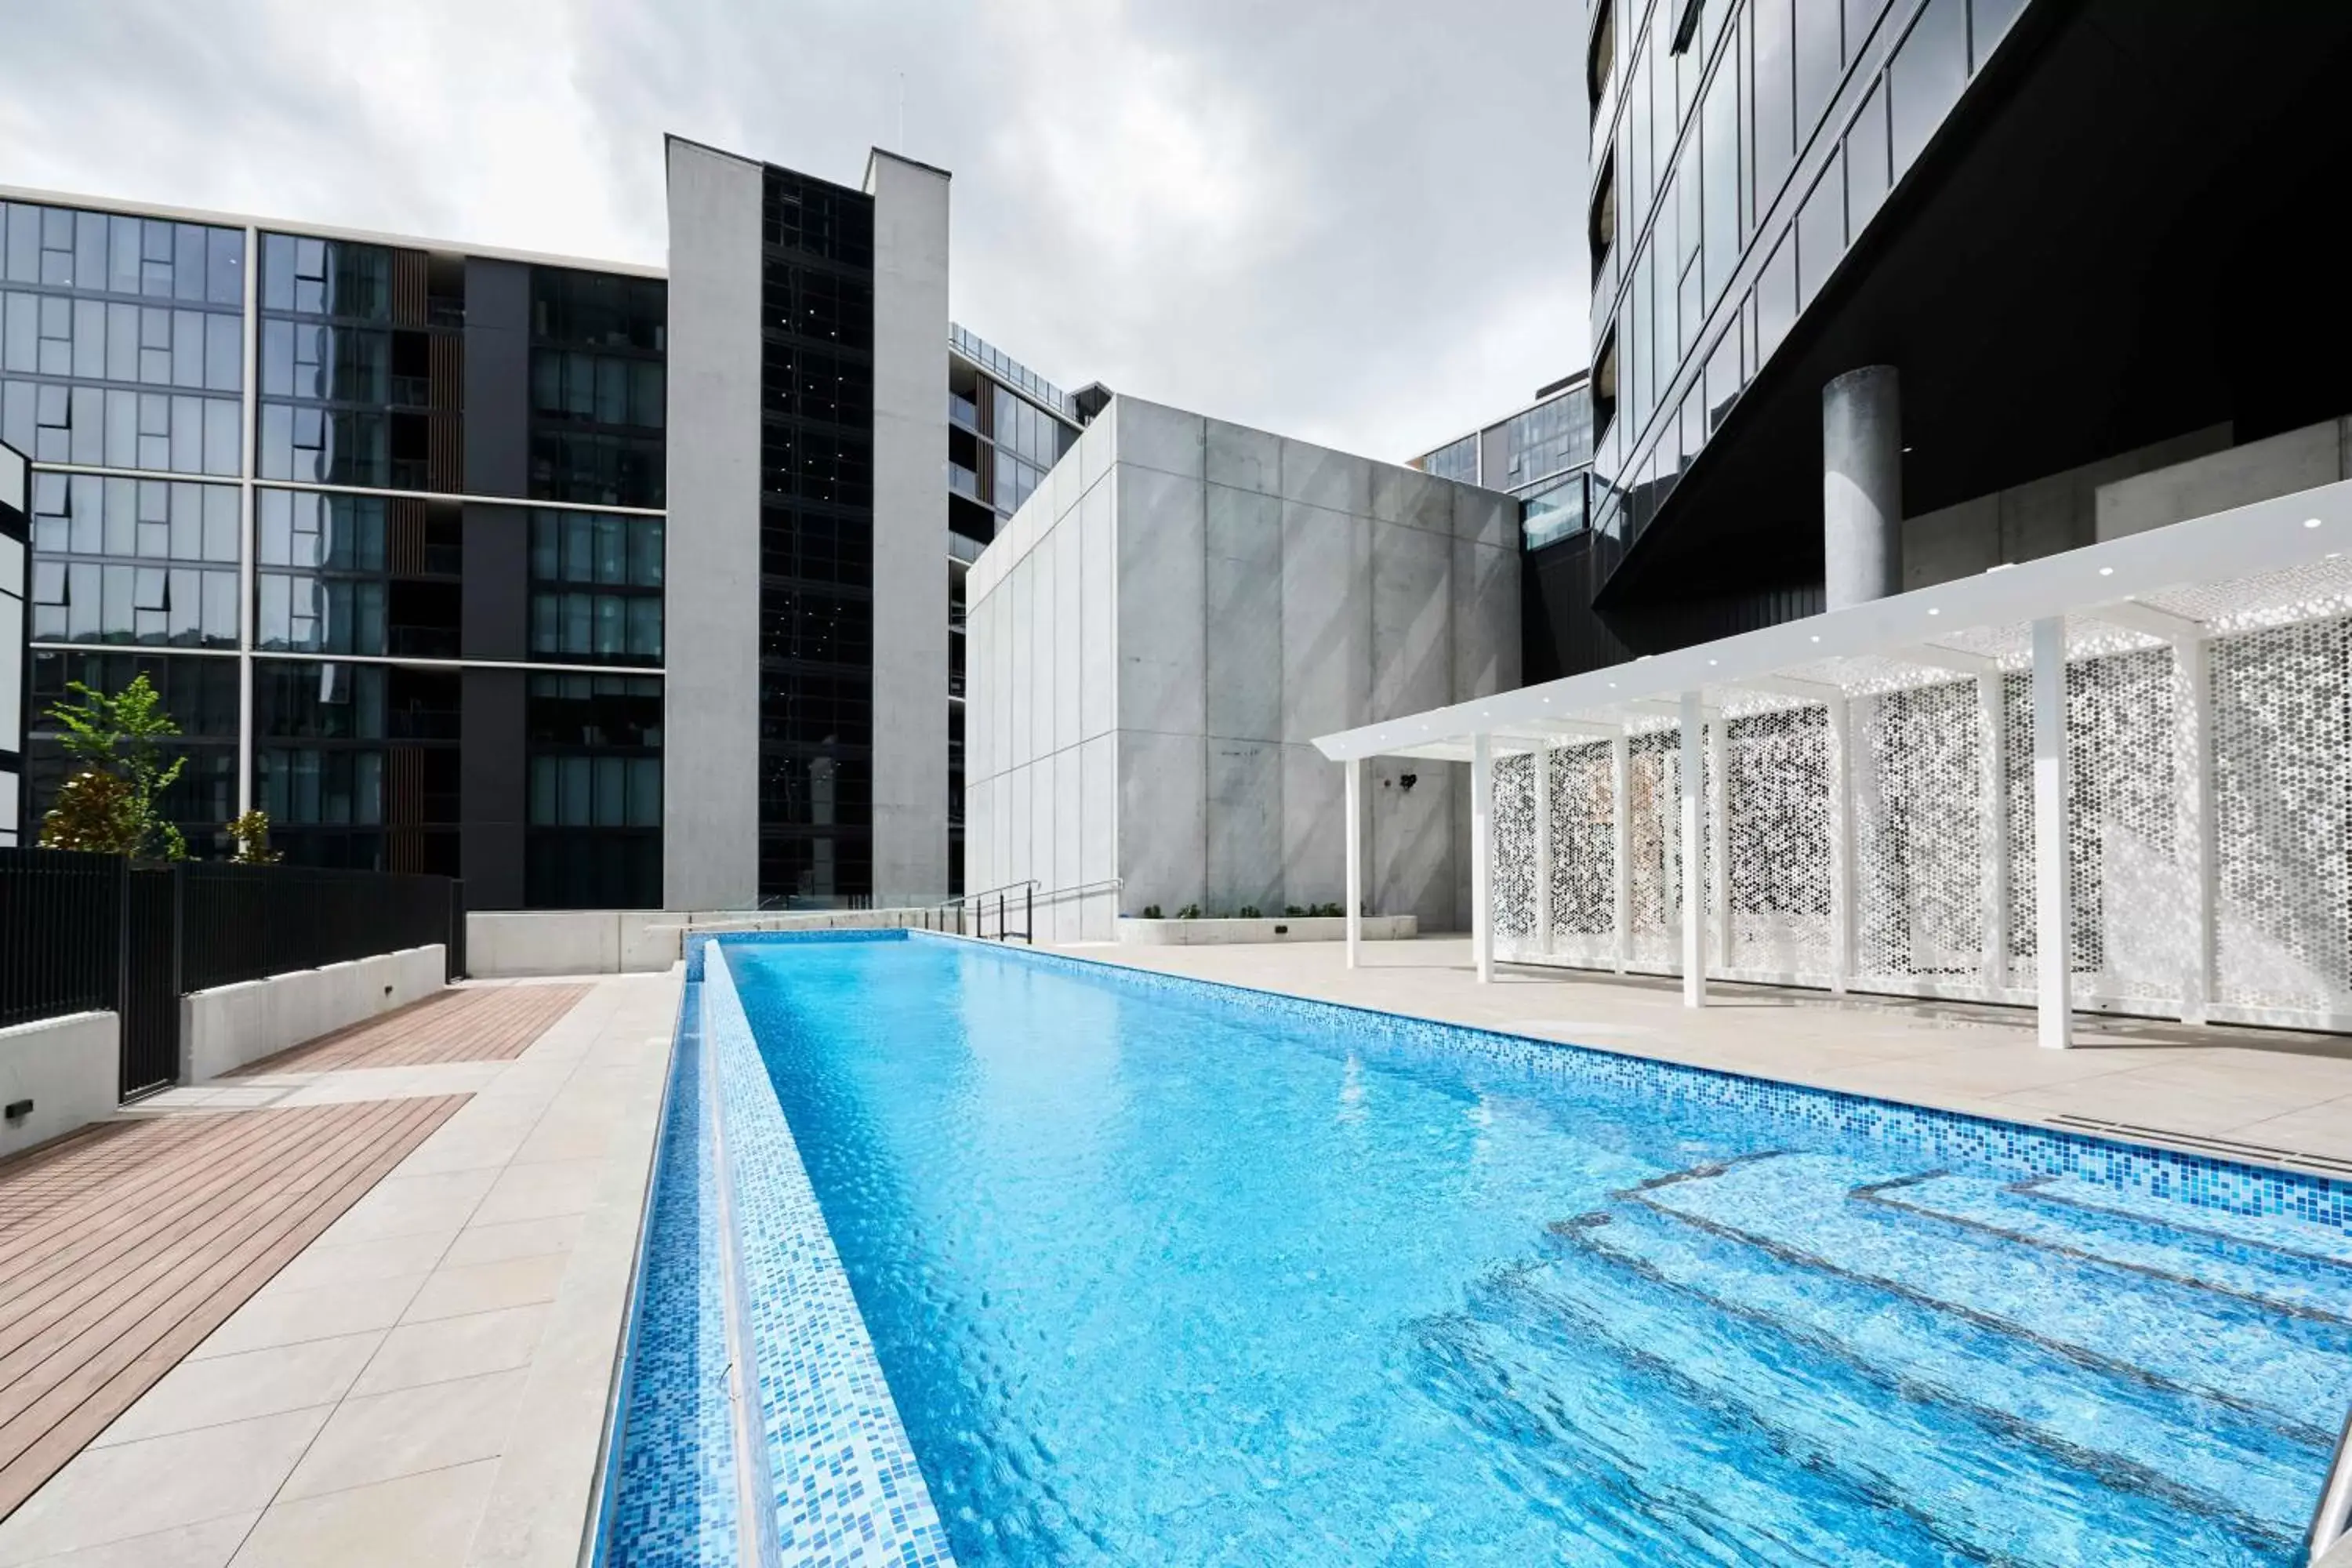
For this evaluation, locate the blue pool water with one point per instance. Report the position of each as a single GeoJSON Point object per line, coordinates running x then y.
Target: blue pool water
{"type": "Point", "coordinates": [1162, 1275]}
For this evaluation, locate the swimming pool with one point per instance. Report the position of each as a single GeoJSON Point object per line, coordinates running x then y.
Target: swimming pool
{"type": "Point", "coordinates": [1164, 1272]}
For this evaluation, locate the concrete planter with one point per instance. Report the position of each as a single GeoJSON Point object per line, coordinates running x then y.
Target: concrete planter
{"type": "Point", "coordinates": [1294, 928]}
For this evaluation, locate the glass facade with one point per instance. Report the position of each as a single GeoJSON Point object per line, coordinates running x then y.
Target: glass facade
{"type": "Point", "coordinates": [816, 525]}
{"type": "Point", "coordinates": [1727, 190]}
{"type": "Point", "coordinates": [595, 791]}
{"type": "Point", "coordinates": [597, 387]}
{"type": "Point", "coordinates": [121, 341]}
{"type": "Point", "coordinates": [1539, 455]}
{"type": "Point", "coordinates": [362, 361]}
{"type": "Point", "coordinates": [125, 349]}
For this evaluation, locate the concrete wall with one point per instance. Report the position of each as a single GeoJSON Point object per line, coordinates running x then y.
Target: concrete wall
{"type": "Point", "coordinates": [70, 1068]}
{"type": "Point", "coordinates": [1162, 630]}
{"type": "Point", "coordinates": [225, 1027]}
{"type": "Point", "coordinates": [710, 814]}
{"type": "Point", "coordinates": [2276, 466]}
{"type": "Point", "coordinates": [505, 943]}
{"type": "Point", "coordinates": [2058, 511]}
{"type": "Point", "coordinates": [911, 528]}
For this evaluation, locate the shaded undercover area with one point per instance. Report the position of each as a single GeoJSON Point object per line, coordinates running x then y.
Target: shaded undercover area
{"type": "Point", "coordinates": [2116, 238]}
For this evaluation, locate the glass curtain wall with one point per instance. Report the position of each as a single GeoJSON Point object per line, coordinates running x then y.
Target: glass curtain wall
{"type": "Point", "coordinates": [1737, 160]}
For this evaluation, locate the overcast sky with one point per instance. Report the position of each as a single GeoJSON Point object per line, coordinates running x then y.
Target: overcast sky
{"type": "Point", "coordinates": [1353, 221]}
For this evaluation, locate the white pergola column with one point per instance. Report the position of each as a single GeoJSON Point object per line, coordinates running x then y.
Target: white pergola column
{"type": "Point", "coordinates": [2193, 825]}
{"type": "Point", "coordinates": [1621, 825]}
{"type": "Point", "coordinates": [1992, 830]}
{"type": "Point", "coordinates": [1543, 846]}
{"type": "Point", "coordinates": [1482, 853]}
{"type": "Point", "coordinates": [1354, 768]}
{"type": "Point", "coordinates": [1693, 769]}
{"type": "Point", "coordinates": [1842, 914]}
{"type": "Point", "coordinates": [1718, 837]}
{"type": "Point", "coordinates": [2054, 894]}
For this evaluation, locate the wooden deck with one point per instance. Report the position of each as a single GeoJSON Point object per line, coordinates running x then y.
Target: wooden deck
{"type": "Point", "coordinates": [489, 1024]}
{"type": "Point", "coordinates": [122, 1247]}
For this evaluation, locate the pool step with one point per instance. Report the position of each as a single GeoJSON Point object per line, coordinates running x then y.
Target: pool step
{"type": "Point", "coordinates": [2298, 1287]}
{"type": "Point", "coordinates": [2169, 1444]}
{"type": "Point", "coordinates": [1889, 1442]}
{"type": "Point", "coordinates": [2279, 1235]}
{"type": "Point", "coordinates": [2295, 1373]}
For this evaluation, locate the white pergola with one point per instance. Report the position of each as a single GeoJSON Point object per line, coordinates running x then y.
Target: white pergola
{"type": "Point", "coordinates": [2272, 564]}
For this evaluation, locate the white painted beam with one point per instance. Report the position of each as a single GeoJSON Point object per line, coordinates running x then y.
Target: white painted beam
{"type": "Point", "coordinates": [2133, 616]}
{"type": "Point", "coordinates": [1354, 771]}
{"type": "Point", "coordinates": [2053, 898]}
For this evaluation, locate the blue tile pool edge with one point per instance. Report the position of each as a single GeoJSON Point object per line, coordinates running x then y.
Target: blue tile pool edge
{"type": "Point", "coordinates": [2200, 1181]}
{"type": "Point", "coordinates": [847, 1485]}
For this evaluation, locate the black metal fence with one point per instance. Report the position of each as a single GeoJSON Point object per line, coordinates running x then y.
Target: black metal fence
{"type": "Point", "coordinates": [243, 922]}
{"type": "Point", "coordinates": [60, 934]}
{"type": "Point", "coordinates": [96, 933]}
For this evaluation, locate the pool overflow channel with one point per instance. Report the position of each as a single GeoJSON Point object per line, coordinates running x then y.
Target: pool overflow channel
{"type": "Point", "coordinates": [2092, 1163]}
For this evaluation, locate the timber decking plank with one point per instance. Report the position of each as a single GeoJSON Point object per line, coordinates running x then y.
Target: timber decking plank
{"type": "Point", "coordinates": [484, 1024]}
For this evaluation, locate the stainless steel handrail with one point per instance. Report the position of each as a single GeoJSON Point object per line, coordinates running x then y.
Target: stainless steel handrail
{"type": "Point", "coordinates": [2331, 1521]}
{"type": "Point", "coordinates": [977, 904]}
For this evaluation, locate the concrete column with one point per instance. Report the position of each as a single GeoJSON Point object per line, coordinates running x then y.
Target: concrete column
{"type": "Point", "coordinates": [2054, 894]}
{"type": "Point", "coordinates": [1862, 486]}
{"type": "Point", "coordinates": [1842, 857]}
{"type": "Point", "coordinates": [2193, 825]}
{"type": "Point", "coordinates": [1543, 846]}
{"type": "Point", "coordinates": [1992, 830]}
{"type": "Point", "coordinates": [1482, 853]}
{"type": "Point", "coordinates": [1693, 769]}
{"type": "Point", "coordinates": [1621, 822]}
{"type": "Point", "coordinates": [1355, 830]}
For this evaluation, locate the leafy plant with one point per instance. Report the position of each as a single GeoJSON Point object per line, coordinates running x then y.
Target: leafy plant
{"type": "Point", "coordinates": [1151, 912]}
{"type": "Point", "coordinates": [1292, 911]}
{"type": "Point", "coordinates": [1248, 912]}
{"type": "Point", "coordinates": [1327, 911]}
{"type": "Point", "coordinates": [121, 738]}
{"type": "Point", "coordinates": [1189, 912]}
{"type": "Point", "coordinates": [95, 813]}
{"type": "Point", "coordinates": [250, 834]}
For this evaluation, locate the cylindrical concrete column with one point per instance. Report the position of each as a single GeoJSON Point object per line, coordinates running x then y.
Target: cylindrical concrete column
{"type": "Point", "coordinates": [1862, 486]}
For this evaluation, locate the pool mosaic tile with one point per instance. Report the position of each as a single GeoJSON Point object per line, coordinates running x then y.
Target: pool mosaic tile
{"type": "Point", "coordinates": [847, 1485]}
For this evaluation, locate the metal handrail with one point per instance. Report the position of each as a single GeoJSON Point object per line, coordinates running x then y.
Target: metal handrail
{"type": "Point", "coordinates": [2331, 1521]}
{"type": "Point", "coordinates": [977, 904]}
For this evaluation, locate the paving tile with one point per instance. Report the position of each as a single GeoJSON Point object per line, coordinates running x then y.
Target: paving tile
{"type": "Point", "coordinates": [325, 1262]}
{"type": "Point", "coordinates": [516, 1238]}
{"type": "Point", "coordinates": [540, 1192]}
{"type": "Point", "coordinates": [487, 1287]}
{"type": "Point", "coordinates": [217, 1390]}
{"type": "Point", "coordinates": [445, 1349]}
{"type": "Point", "coordinates": [207, 1545]}
{"type": "Point", "coordinates": [113, 1494]}
{"type": "Point", "coordinates": [416, 1522]}
{"type": "Point", "coordinates": [408, 1431]}
{"type": "Point", "coordinates": [399, 1216]}
{"type": "Point", "coordinates": [293, 1317]}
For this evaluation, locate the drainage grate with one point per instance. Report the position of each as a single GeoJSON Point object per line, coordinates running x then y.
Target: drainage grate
{"type": "Point", "coordinates": [2228, 1147]}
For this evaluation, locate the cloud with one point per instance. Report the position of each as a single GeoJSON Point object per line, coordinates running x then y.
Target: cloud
{"type": "Point", "coordinates": [1357, 223]}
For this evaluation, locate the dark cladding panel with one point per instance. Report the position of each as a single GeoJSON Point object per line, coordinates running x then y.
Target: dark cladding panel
{"type": "Point", "coordinates": [498, 587]}
{"type": "Point", "coordinates": [497, 377]}
{"type": "Point", "coordinates": [492, 784]}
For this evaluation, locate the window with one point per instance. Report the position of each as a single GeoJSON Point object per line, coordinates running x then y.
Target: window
{"type": "Point", "coordinates": [1719, 131]}
{"type": "Point", "coordinates": [1604, 384]}
{"type": "Point", "coordinates": [1456, 460]}
{"type": "Point", "coordinates": [596, 581]}
{"type": "Point", "coordinates": [1556, 511]}
{"type": "Point", "coordinates": [1820, 234]}
{"type": "Point", "coordinates": [1866, 160]}
{"type": "Point", "coordinates": [1722, 378]}
{"type": "Point", "coordinates": [1987, 21]}
{"type": "Point", "coordinates": [1600, 54]}
{"type": "Point", "coordinates": [597, 389]}
{"type": "Point", "coordinates": [1929, 69]}
{"type": "Point", "coordinates": [1820, 63]}
{"type": "Point", "coordinates": [1776, 297]}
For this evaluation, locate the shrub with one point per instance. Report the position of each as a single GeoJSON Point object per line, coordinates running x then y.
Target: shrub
{"type": "Point", "coordinates": [120, 739]}
{"type": "Point", "coordinates": [1248, 912]}
{"type": "Point", "coordinates": [1292, 911]}
{"type": "Point", "coordinates": [1151, 912]}
{"type": "Point", "coordinates": [1189, 912]}
{"type": "Point", "coordinates": [250, 834]}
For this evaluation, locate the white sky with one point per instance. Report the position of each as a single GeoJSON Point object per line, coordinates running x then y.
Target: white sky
{"type": "Point", "coordinates": [1355, 223]}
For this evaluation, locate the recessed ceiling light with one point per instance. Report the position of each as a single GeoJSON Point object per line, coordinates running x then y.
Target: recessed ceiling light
{"type": "Point", "coordinates": [2311, 522]}
{"type": "Point", "coordinates": [1935, 612]}
{"type": "Point", "coordinates": [1710, 664]}
{"type": "Point", "coordinates": [1817, 636]}
{"type": "Point", "coordinates": [2106, 571]}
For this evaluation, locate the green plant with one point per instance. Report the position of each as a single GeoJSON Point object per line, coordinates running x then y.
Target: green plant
{"type": "Point", "coordinates": [250, 834]}
{"type": "Point", "coordinates": [1189, 912]}
{"type": "Point", "coordinates": [1292, 911]}
{"type": "Point", "coordinates": [120, 737]}
{"type": "Point", "coordinates": [1248, 912]}
{"type": "Point", "coordinates": [1151, 912]}
{"type": "Point", "coordinates": [1327, 910]}
{"type": "Point", "coordinates": [95, 813]}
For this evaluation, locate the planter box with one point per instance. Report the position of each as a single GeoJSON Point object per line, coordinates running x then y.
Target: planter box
{"type": "Point", "coordinates": [1293, 928]}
